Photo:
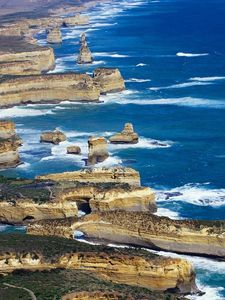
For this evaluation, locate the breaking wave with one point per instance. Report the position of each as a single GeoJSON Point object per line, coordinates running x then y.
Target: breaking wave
{"type": "Point", "coordinates": [183, 54]}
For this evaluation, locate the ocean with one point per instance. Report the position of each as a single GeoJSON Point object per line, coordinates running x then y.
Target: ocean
{"type": "Point", "coordinates": [172, 56]}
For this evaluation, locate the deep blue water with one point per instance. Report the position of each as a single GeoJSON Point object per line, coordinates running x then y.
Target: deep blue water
{"type": "Point", "coordinates": [172, 55]}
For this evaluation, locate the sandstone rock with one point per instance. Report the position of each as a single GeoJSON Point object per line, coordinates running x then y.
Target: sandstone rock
{"type": "Point", "coordinates": [75, 20]}
{"type": "Point", "coordinates": [54, 137]}
{"type": "Point", "coordinates": [127, 136]}
{"type": "Point", "coordinates": [147, 230]}
{"type": "Point", "coordinates": [18, 57]}
{"type": "Point", "coordinates": [73, 150]}
{"type": "Point", "coordinates": [9, 144]}
{"type": "Point", "coordinates": [50, 88]}
{"type": "Point", "coordinates": [54, 36]}
{"type": "Point", "coordinates": [97, 150]}
{"type": "Point", "coordinates": [135, 268]}
{"type": "Point", "coordinates": [84, 56]}
{"type": "Point", "coordinates": [97, 175]}
{"type": "Point", "coordinates": [98, 295]}
{"type": "Point", "coordinates": [109, 80]}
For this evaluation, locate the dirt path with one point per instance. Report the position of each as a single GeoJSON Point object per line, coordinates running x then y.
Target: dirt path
{"type": "Point", "coordinates": [33, 297]}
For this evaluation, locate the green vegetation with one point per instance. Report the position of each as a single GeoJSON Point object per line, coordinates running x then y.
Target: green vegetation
{"type": "Point", "coordinates": [49, 285]}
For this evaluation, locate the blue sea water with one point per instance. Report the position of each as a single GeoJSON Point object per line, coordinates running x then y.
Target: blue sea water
{"type": "Point", "coordinates": [172, 56]}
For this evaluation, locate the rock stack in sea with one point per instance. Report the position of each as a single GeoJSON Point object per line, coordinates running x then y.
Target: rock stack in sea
{"type": "Point", "coordinates": [97, 150]}
{"type": "Point", "coordinates": [54, 36]}
{"type": "Point", "coordinates": [126, 136]}
{"type": "Point", "coordinates": [54, 137]}
{"type": "Point", "coordinates": [73, 150]}
{"type": "Point", "coordinates": [109, 80]}
{"type": "Point", "coordinates": [85, 56]}
{"type": "Point", "coordinates": [9, 144]}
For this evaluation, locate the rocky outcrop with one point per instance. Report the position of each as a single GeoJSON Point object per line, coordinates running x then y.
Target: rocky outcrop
{"type": "Point", "coordinates": [98, 175]}
{"type": "Point", "coordinates": [9, 144]}
{"type": "Point", "coordinates": [135, 268]}
{"type": "Point", "coordinates": [54, 36]}
{"type": "Point", "coordinates": [96, 296]}
{"type": "Point", "coordinates": [85, 56]}
{"type": "Point", "coordinates": [54, 137]}
{"type": "Point", "coordinates": [97, 150]}
{"type": "Point", "coordinates": [127, 136]}
{"type": "Point", "coordinates": [147, 230]}
{"type": "Point", "coordinates": [109, 80]}
{"type": "Point", "coordinates": [73, 150]}
{"type": "Point", "coordinates": [17, 57]}
{"type": "Point", "coordinates": [49, 88]}
{"type": "Point", "coordinates": [75, 20]}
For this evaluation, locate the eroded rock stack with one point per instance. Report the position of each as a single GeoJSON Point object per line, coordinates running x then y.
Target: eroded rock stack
{"type": "Point", "coordinates": [97, 150]}
{"type": "Point", "coordinates": [109, 80]}
{"type": "Point", "coordinates": [54, 36]}
{"type": "Point", "coordinates": [54, 137]}
{"type": "Point", "coordinates": [73, 150]}
{"type": "Point", "coordinates": [127, 136]}
{"type": "Point", "coordinates": [9, 144]}
{"type": "Point", "coordinates": [85, 56]}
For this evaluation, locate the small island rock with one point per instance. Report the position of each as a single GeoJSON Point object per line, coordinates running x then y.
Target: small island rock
{"type": "Point", "coordinates": [98, 150]}
{"type": "Point", "coordinates": [54, 36]}
{"type": "Point", "coordinates": [73, 150]}
{"type": "Point", "coordinates": [54, 137]}
{"type": "Point", "coordinates": [127, 136]}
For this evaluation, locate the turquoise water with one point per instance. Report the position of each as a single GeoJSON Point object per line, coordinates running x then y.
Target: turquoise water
{"type": "Point", "coordinates": [172, 56]}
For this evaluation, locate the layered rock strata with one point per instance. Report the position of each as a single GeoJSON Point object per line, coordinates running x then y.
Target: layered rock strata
{"type": "Point", "coordinates": [49, 88]}
{"type": "Point", "coordinates": [127, 136]}
{"type": "Point", "coordinates": [75, 20]}
{"type": "Point", "coordinates": [85, 56]}
{"type": "Point", "coordinates": [54, 36]}
{"type": "Point", "coordinates": [147, 230]}
{"type": "Point", "coordinates": [97, 150]}
{"type": "Point", "coordinates": [17, 57]}
{"type": "Point", "coordinates": [135, 268]}
{"type": "Point", "coordinates": [109, 80]}
{"type": "Point", "coordinates": [98, 175]}
{"type": "Point", "coordinates": [54, 137]}
{"type": "Point", "coordinates": [9, 144]}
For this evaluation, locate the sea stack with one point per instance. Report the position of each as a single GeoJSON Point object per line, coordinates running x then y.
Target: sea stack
{"type": "Point", "coordinates": [73, 150]}
{"type": "Point", "coordinates": [127, 136]}
{"type": "Point", "coordinates": [54, 36]}
{"type": "Point", "coordinates": [97, 150]}
{"type": "Point", "coordinates": [9, 144]}
{"type": "Point", "coordinates": [85, 56]}
{"type": "Point", "coordinates": [54, 137]}
{"type": "Point", "coordinates": [109, 80]}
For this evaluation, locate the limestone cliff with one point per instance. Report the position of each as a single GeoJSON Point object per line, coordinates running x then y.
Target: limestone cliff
{"type": "Point", "coordinates": [9, 144]}
{"type": "Point", "coordinates": [50, 88]}
{"type": "Point", "coordinates": [97, 150]}
{"type": "Point", "coordinates": [109, 175]}
{"type": "Point", "coordinates": [136, 268]}
{"type": "Point", "coordinates": [75, 20]}
{"type": "Point", "coordinates": [144, 229]}
{"type": "Point", "coordinates": [109, 80]}
{"type": "Point", "coordinates": [17, 57]}
{"type": "Point", "coordinates": [85, 56]}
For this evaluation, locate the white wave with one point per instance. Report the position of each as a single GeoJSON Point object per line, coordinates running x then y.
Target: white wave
{"type": "Point", "coordinates": [215, 78]}
{"type": "Point", "coordinates": [186, 101]}
{"type": "Point", "coordinates": [183, 54]}
{"type": "Point", "coordinates": [109, 54]}
{"type": "Point", "coordinates": [138, 80]}
{"type": "Point", "coordinates": [66, 58]}
{"type": "Point", "coordinates": [145, 143]}
{"type": "Point", "coordinates": [197, 194]}
{"type": "Point", "coordinates": [180, 85]}
{"type": "Point", "coordinates": [24, 165]}
{"type": "Point", "coordinates": [16, 112]}
{"type": "Point", "coordinates": [141, 65]}
{"type": "Point", "coordinates": [212, 293]}
{"type": "Point", "coordinates": [111, 161]}
{"type": "Point", "coordinates": [165, 212]}
{"type": "Point", "coordinates": [103, 24]}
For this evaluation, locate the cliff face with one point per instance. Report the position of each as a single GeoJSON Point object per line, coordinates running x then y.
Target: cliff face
{"type": "Point", "coordinates": [9, 143]}
{"type": "Point", "coordinates": [126, 266]}
{"type": "Point", "coordinates": [17, 57]}
{"type": "Point", "coordinates": [109, 175]}
{"type": "Point", "coordinates": [144, 229]}
{"type": "Point", "coordinates": [109, 80]}
{"type": "Point", "coordinates": [47, 88]}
